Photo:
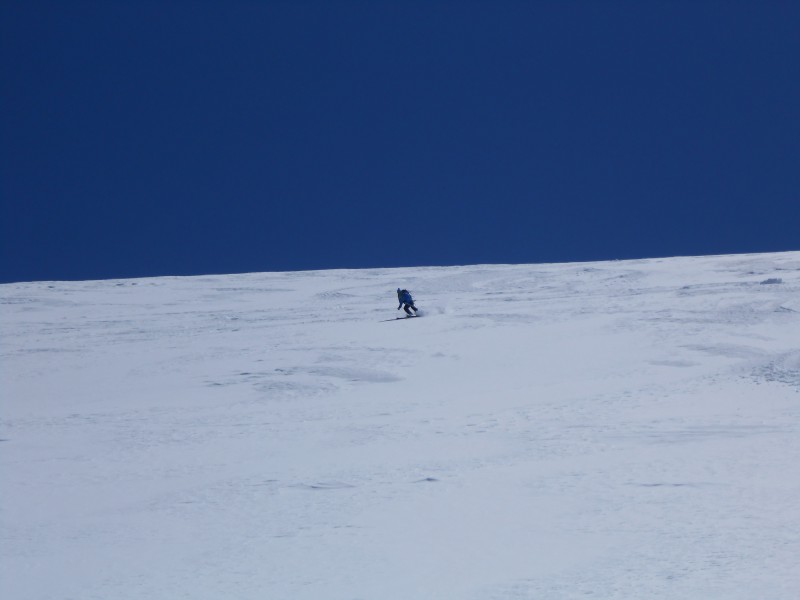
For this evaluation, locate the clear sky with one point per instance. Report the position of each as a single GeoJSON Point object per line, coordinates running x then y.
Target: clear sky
{"type": "Point", "coordinates": [166, 137]}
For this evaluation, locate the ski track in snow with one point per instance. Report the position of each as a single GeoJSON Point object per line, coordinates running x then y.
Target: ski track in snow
{"type": "Point", "coordinates": [611, 430]}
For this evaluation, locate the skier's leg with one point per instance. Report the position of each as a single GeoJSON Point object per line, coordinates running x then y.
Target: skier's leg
{"type": "Point", "coordinates": [414, 308]}
{"type": "Point", "coordinates": [405, 308]}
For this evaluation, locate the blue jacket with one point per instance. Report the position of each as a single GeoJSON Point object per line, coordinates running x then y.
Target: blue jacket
{"type": "Point", "coordinates": [404, 297]}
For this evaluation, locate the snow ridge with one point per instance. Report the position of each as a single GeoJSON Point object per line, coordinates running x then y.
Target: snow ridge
{"type": "Point", "coordinates": [622, 429]}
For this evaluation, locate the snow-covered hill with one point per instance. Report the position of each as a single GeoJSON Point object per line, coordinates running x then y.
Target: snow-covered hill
{"type": "Point", "coordinates": [605, 430]}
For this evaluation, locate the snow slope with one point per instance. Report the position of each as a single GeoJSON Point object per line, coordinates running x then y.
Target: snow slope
{"type": "Point", "coordinates": [606, 430]}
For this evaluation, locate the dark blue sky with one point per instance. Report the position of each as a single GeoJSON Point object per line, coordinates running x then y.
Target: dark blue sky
{"type": "Point", "coordinates": [149, 138]}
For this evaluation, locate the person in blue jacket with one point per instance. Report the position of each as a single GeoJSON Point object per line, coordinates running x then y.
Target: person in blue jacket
{"type": "Point", "coordinates": [406, 302]}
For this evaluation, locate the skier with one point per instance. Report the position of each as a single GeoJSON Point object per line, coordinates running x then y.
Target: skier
{"type": "Point", "coordinates": [406, 302]}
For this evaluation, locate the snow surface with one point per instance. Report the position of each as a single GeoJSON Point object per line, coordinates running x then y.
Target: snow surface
{"type": "Point", "coordinates": [606, 430]}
